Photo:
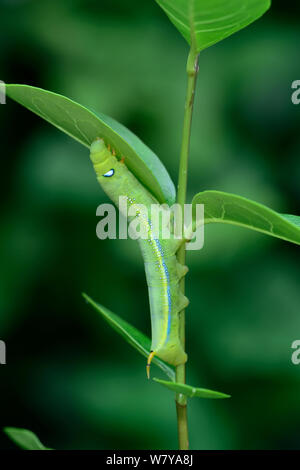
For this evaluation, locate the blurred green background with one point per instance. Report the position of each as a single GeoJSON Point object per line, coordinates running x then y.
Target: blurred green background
{"type": "Point", "coordinates": [69, 377]}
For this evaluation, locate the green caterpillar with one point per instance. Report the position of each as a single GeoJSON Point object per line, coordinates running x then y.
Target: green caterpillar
{"type": "Point", "coordinates": [163, 272]}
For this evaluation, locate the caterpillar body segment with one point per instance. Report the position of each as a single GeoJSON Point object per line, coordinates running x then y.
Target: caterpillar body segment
{"type": "Point", "coordinates": [163, 272]}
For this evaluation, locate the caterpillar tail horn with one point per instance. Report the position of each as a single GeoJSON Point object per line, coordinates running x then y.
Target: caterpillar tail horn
{"type": "Point", "coordinates": [149, 360]}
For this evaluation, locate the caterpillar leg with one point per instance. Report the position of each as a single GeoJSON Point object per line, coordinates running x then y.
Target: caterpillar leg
{"type": "Point", "coordinates": [181, 270]}
{"type": "Point", "coordinates": [149, 360]}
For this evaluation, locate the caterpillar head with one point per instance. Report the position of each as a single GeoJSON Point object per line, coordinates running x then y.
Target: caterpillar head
{"type": "Point", "coordinates": [103, 160]}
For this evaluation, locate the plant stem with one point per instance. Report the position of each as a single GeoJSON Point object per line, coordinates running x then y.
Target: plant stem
{"type": "Point", "coordinates": [192, 73]}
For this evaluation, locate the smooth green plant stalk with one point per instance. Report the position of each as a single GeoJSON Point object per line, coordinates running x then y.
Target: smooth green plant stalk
{"type": "Point", "coordinates": [192, 72]}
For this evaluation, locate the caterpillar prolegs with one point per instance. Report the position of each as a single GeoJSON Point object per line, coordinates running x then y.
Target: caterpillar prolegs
{"type": "Point", "coordinates": [163, 272]}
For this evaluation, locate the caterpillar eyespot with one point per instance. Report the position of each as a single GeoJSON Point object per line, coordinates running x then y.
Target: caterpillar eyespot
{"type": "Point", "coordinates": [109, 173]}
{"type": "Point", "coordinates": [163, 272]}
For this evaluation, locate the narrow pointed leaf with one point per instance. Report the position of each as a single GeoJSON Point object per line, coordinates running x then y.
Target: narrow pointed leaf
{"type": "Point", "coordinates": [84, 126]}
{"type": "Point", "coordinates": [231, 209]}
{"type": "Point", "coordinates": [134, 337]}
{"type": "Point", "coordinates": [205, 22]}
{"type": "Point", "coordinates": [25, 439]}
{"type": "Point", "coordinates": [190, 391]}
{"type": "Point", "coordinates": [294, 219]}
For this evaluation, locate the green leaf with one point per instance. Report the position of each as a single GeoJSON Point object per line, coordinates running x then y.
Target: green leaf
{"type": "Point", "coordinates": [190, 391]}
{"type": "Point", "coordinates": [84, 126]}
{"type": "Point", "coordinates": [205, 22]}
{"type": "Point", "coordinates": [133, 336]}
{"type": "Point", "coordinates": [25, 439]}
{"type": "Point", "coordinates": [294, 219]}
{"type": "Point", "coordinates": [236, 210]}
